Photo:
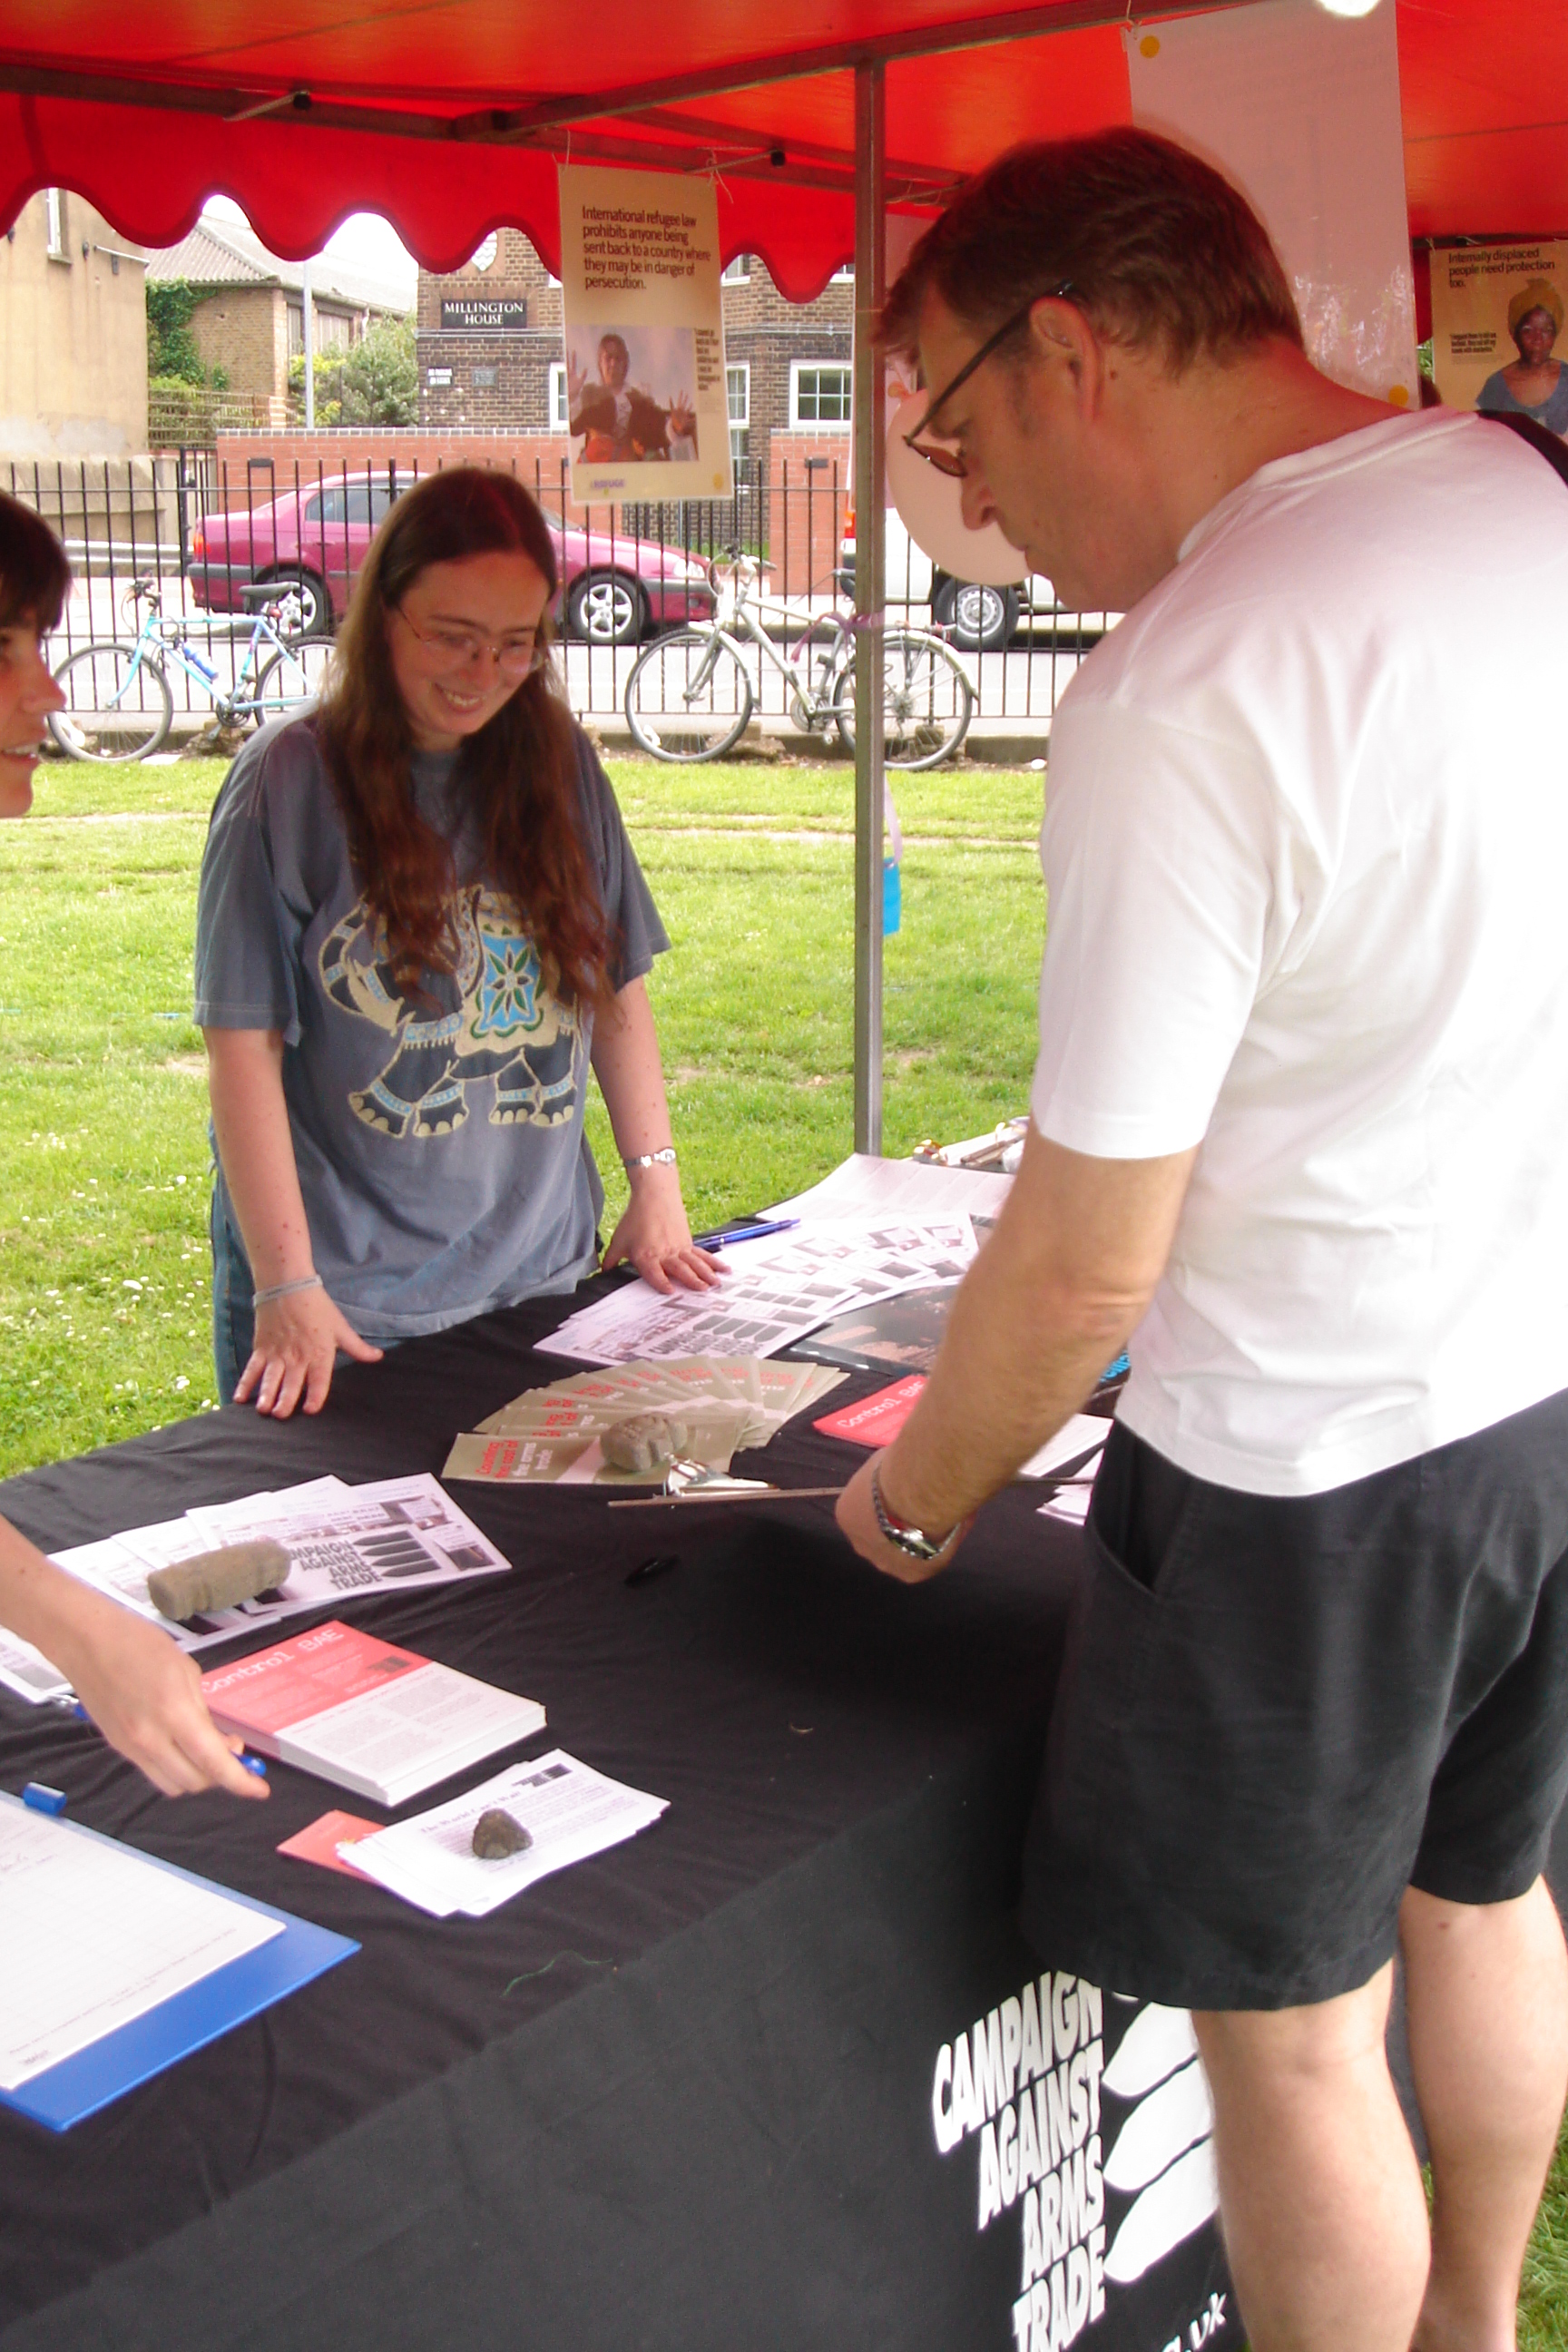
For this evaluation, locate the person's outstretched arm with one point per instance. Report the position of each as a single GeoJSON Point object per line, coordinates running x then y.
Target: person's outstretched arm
{"type": "Point", "coordinates": [297, 1338]}
{"type": "Point", "coordinates": [143, 1693]}
{"type": "Point", "coordinates": [653, 1235]}
{"type": "Point", "coordinates": [1065, 1277]}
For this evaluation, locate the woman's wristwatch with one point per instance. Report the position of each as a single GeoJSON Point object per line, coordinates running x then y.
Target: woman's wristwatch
{"type": "Point", "coordinates": [905, 1535]}
{"type": "Point", "coordinates": [665, 1159]}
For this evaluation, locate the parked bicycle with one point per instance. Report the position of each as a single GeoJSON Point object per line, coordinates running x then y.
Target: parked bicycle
{"type": "Point", "coordinates": [118, 702]}
{"type": "Point", "coordinates": [690, 695]}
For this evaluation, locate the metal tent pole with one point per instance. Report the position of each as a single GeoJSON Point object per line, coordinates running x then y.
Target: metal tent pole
{"type": "Point", "coordinates": [308, 337]}
{"type": "Point", "coordinates": [870, 535]}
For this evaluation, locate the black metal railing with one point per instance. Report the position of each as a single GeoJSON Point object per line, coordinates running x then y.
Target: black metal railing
{"type": "Point", "coordinates": [211, 531]}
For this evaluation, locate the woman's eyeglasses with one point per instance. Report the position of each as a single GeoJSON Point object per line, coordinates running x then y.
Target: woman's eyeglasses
{"type": "Point", "coordinates": [952, 461]}
{"type": "Point", "coordinates": [515, 657]}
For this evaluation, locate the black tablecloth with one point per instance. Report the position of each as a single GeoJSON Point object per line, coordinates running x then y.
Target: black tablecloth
{"type": "Point", "coordinates": [679, 2095]}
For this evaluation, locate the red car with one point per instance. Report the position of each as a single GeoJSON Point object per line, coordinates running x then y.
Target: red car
{"type": "Point", "coordinates": [612, 587]}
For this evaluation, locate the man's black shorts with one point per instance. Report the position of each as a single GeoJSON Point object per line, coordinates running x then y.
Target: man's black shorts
{"type": "Point", "coordinates": [1278, 1713]}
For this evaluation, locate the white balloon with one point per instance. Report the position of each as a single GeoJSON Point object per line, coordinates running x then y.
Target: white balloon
{"type": "Point", "coordinates": [928, 503]}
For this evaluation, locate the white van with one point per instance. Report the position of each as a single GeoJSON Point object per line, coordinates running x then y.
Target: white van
{"type": "Point", "coordinates": [978, 619]}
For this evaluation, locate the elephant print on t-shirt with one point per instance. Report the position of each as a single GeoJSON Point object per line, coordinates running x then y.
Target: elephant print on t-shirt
{"type": "Point", "coordinates": [491, 1016]}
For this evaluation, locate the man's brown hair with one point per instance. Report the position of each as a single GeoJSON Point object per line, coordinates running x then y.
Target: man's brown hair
{"type": "Point", "coordinates": [1156, 246]}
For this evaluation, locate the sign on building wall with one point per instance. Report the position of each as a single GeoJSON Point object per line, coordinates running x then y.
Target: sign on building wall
{"type": "Point", "coordinates": [1497, 329]}
{"type": "Point", "coordinates": [645, 398]}
{"type": "Point", "coordinates": [484, 314]}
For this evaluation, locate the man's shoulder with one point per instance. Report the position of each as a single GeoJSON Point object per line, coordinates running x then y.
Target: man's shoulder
{"type": "Point", "coordinates": [1392, 534]}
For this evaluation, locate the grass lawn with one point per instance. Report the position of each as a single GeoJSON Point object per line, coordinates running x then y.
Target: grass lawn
{"type": "Point", "coordinates": [103, 1156]}
{"type": "Point", "coordinates": [103, 1153]}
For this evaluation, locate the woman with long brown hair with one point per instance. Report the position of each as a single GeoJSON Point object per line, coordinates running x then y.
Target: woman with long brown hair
{"type": "Point", "coordinates": [420, 921]}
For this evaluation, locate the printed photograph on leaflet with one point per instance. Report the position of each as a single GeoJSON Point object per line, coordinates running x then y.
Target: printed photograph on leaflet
{"type": "Point", "coordinates": [1087, 2120]}
{"type": "Point", "coordinates": [644, 338]}
{"type": "Point", "coordinates": [1498, 343]}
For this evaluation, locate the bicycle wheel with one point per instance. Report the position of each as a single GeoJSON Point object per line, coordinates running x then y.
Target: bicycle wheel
{"type": "Point", "coordinates": [286, 683]}
{"type": "Point", "coordinates": [688, 698]}
{"type": "Point", "coordinates": [116, 708]}
{"type": "Point", "coordinates": [927, 701]}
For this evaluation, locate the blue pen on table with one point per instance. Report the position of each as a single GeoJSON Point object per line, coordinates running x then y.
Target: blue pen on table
{"type": "Point", "coordinates": [252, 1764]}
{"type": "Point", "coordinates": [747, 1229]}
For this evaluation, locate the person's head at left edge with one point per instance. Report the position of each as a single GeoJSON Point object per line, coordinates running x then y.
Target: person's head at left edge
{"type": "Point", "coordinates": [34, 580]}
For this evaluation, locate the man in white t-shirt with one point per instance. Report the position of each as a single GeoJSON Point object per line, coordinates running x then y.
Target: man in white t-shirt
{"type": "Point", "coordinates": [1301, 1128]}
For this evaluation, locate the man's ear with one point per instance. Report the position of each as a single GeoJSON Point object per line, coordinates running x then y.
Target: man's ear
{"type": "Point", "coordinates": [1065, 343]}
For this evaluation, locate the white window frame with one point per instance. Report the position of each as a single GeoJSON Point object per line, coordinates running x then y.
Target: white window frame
{"type": "Point", "coordinates": [797, 368]}
{"type": "Point", "coordinates": [844, 275]}
{"type": "Point", "coordinates": [737, 272]}
{"type": "Point", "coordinates": [560, 416]}
{"type": "Point", "coordinates": [55, 224]}
{"type": "Point", "coordinates": [740, 425]}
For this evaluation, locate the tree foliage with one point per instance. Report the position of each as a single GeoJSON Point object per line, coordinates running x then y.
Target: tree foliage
{"type": "Point", "coordinates": [374, 382]}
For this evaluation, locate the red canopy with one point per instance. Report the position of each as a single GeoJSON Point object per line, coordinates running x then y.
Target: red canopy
{"type": "Point", "coordinates": [449, 116]}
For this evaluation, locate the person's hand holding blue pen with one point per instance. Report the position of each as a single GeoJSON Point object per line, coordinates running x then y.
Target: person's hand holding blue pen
{"type": "Point", "coordinates": [141, 1693]}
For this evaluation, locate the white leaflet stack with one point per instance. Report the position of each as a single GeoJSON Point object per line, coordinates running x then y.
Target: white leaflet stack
{"type": "Point", "coordinates": [567, 1811]}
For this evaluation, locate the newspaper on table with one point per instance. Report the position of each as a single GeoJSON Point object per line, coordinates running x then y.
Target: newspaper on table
{"type": "Point", "coordinates": [726, 1403]}
{"type": "Point", "coordinates": [568, 1810]}
{"type": "Point", "coordinates": [867, 1186]}
{"type": "Point", "coordinates": [344, 1542]}
{"type": "Point", "coordinates": [773, 1291]}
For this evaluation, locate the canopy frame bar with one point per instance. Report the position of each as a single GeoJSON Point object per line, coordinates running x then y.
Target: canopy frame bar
{"type": "Point", "coordinates": [495, 123]}
{"type": "Point", "coordinates": [870, 539]}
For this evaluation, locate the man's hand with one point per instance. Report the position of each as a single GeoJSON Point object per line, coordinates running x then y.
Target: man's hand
{"type": "Point", "coordinates": [1067, 1274]}
{"type": "Point", "coordinates": [296, 1341]}
{"type": "Point", "coordinates": [856, 1515]}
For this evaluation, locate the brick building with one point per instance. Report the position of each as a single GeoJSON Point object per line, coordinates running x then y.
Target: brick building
{"type": "Point", "coordinates": [250, 319]}
{"type": "Point", "coordinates": [488, 341]}
{"type": "Point", "coordinates": [490, 351]}
{"type": "Point", "coordinates": [789, 363]}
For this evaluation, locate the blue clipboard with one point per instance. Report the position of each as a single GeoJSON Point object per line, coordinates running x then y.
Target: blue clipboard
{"type": "Point", "coordinates": [132, 2054]}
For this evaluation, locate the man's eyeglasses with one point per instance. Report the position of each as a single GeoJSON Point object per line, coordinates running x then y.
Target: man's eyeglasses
{"type": "Point", "coordinates": [952, 461]}
{"type": "Point", "coordinates": [515, 657]}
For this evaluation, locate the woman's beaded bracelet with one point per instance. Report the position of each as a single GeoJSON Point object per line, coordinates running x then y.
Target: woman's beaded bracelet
{"type": "Point", "coordinates": [665, 1159]}
{"type": "Point", "coordinates": [286, 1290]}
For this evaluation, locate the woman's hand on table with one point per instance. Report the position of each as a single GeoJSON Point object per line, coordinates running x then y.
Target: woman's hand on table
{"type": "Point", "coordinates": [296, 1346]}
{"type": "Point", "coordinates": [655, 1237]}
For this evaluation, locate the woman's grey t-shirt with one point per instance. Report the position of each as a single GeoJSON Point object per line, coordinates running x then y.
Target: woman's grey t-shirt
{"type": "Point", "coordinates": [439, 1137]}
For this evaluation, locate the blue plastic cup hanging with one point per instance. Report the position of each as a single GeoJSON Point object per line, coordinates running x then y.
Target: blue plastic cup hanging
{"type": "Point", "coordinates": [892, 871]}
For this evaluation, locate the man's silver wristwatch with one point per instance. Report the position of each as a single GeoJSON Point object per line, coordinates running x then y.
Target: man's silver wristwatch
{"type": "Point", "coordinates": [909, 1538]}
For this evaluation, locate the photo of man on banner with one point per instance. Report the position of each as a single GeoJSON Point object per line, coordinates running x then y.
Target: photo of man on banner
{"type": "Point", "coordinates": [623, 422]}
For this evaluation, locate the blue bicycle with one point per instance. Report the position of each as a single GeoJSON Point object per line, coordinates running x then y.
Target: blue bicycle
{"type": "Point", "coordinates": [119, 704]}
